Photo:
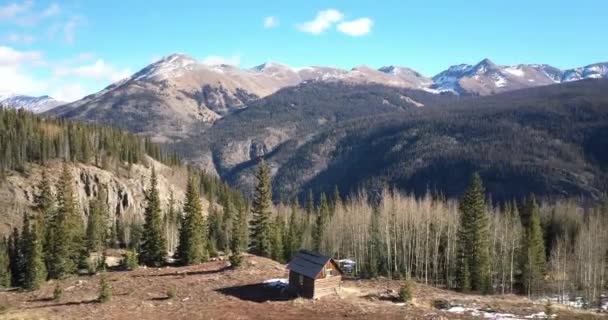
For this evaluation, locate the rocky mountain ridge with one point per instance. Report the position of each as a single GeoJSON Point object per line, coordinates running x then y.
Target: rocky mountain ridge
{"type": "Point", "coordinates": [34, 104]}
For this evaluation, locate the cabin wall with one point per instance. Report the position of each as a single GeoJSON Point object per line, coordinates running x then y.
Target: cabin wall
{"type": "Point", "coordinates": [305, 288]}
{"type": "Point", "coordinates": [323, 287]}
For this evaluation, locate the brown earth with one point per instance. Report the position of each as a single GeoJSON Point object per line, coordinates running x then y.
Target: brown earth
{"type": "Point", "coordinates": [215, 291]}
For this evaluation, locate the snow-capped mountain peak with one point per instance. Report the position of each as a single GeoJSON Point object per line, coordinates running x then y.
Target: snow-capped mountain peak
{"type": "Point", "coordinates": [34, 104]}
{"type": "Point", "coordinates": [168, 67]}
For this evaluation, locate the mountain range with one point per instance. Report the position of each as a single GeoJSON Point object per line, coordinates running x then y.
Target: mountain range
{"type": "Point", "coordinates": [320, 127]}
{"type": "Point", "coordinates": [34, 104]}
{"type": "Point", "coordinates": [178, 93]}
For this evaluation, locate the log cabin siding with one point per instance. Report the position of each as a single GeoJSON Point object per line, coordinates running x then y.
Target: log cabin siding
{"type": "Point", "coordinates": [313, 275]}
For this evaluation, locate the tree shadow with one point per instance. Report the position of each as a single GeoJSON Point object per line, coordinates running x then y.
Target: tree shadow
{"type": "Point", "coordinates": [61, 304]}
{"type": "Point", "coordinates": [383, 297]}
{"type": "Point", "coordinates": [160, 298]}
{"type": "Point", "coordinates": [258, 292]}
{"type": "Point", "coordinates": [183, 274]}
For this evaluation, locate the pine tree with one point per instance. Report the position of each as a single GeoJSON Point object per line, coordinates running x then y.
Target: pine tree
{"type": "Point", "coordinates": [15, 256]}
{"type": "Point", "coordinates": [473, 240]}
{"type": "Point", "coordinates": [44, 202]}
{"type": "Point", "coordinates": [320, 224]}
{"type": "Point", "coordinates": [34, 271]}
{"type": "Point", "coordinates": [310, 203]}
{"type": "Point", "coordinates": [337, 201]}
{"type": "Point", "coordinates": [237, 240]}
{"type": "Point", "coordinates": [171, 222]}
{"type": "Point", "coordinates": [261, 224]}
{"type": "Point", "coordinates": [278, 229]}
{"type": "Point", "coordinates": [65, 235]}
{"type": "Point", "coordinates": [97, 222]}
{"type": "Point", "coordinates": [228, 215]}
{"type": "Point", "coordinates": [292, 239]}
{"type": "Point", "coordinates": [533, 260]}
{"type": "Point", "coordinates": [153, 247]}
{"type": "Point", "coordinates": [192, 248]}
{"type": "Point", "coordinates": [5, 267]}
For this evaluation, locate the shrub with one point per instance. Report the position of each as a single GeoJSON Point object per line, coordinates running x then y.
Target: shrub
{"type": "Point", "coordinates": [105, 291]}
{"type": "Point", "coordinates": [406, 292]}
{"type": "Point", "coordinates": [57, 292]}
{"type": "Point", "coordinates": [129, 261]}
{"type": "Point", "coordinates": [236, 259]}
{"type": "Point", "coordinates": [549, 309]}
{"type": "Point", "coordinates": [171, 292]}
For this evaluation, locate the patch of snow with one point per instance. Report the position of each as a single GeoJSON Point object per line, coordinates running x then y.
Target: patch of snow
{"type": "Point", "coordinates": [500, 81]}
{"type": "Point", "coordinates": [477, 312]}
{"type": "Point", "coordinates": [516, 71]}
{"type": "Point", "coordinates": [276, 283]}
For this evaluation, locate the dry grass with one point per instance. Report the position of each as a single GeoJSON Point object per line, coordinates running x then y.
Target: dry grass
{"type": "Point", "coordinates": [212, 291]}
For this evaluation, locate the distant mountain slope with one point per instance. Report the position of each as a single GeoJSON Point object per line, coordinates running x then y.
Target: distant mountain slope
{"type": "Point", "coordinates": [548, 140]}
{"type": "Point", "coordinates": [487, 78]}
{"type": "Point", "coordinates": [30, 103]}
{"type": "Point", "coordinates": [177, 95]}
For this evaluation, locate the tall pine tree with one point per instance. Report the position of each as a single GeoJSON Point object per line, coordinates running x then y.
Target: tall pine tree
{"type": "Point", "coordinates": [261, 226]}
{"type": "Point", "coordinates": [5, 268]}
{"type": "Point", "coordinates": [320, 224]}
{"type": "Point", "coordinates": [238, 237]}
{"type": "Point", "coordinates": [153, 247]}
{"type": "Point", "coordinates": [473, 260]}
{"type": "Point", "coordinates": [97, 222]}
{"type": "Point", "coordinates": [192, 248]}
{"type": "Point", "coordinates": [533, 260]}
{"type": "Point", "coordinates": [34, 271]}
{"type": "Point", "coordinates": [65, 235]}
{"type": "Point", "coordinates": [292, 239]}
{"type": "Point", "coordinates": [15, 258]}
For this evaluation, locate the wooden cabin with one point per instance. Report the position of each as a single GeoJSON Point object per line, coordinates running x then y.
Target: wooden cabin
{"type": "Point", "coordinates": [314, 275]}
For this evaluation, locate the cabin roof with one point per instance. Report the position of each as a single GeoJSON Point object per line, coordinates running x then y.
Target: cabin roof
{"type": "Point", "coordinates": [308, 263]}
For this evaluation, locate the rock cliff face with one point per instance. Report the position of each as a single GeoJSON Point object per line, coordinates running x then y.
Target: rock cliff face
{"type": "Point", "coordinates": [126, 188]}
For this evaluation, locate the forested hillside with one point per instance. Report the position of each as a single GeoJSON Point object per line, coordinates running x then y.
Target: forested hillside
{"type": "Point", "coordinates": [546, 140]}
{"type": "Point", "coordinates": [25, 138]}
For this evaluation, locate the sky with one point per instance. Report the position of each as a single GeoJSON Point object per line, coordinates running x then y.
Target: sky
{"type": "Point", "coordinates": [68, 49]}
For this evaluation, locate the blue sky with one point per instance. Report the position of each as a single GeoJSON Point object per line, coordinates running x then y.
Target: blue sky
{"type": "Point", "coordinates": [75, 47]}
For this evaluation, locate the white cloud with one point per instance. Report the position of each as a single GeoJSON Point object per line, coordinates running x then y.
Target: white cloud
{"type": "Point", "coordinates": [99, 70]}
{"type": "Point", "coordinates": [11, 10]}
{"type": "Point", "coordinates": [357, 27]}
{"type": "Point", "coordinates": [52, 10]}
{"type": "Point", "coordinates": [20, 38]}
{"type": "Point", "coordinates": [11, 57]}
{"type": "Point", "coordinates": [15, 80]}
{"type": "Point", "coordinates": [271, 22]}
{"type": "Point", "coordinates": [69, 28]}
{"type": "Point", "coordinates": [69, 92]}
{"type": "Point", "coordinates": [217, 60]}
{"type": "Point", "coordinates": [325, 19]}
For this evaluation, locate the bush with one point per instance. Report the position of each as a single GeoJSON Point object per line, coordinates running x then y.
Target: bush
{"type": "Point", "coordinates": [236, 259]}
{"type": "Point", "coordinates": [171, 292]}
{"type": "Point", "coordinates": [549, 309]}
{"type": "Point", "coordinates": [406, 292]}
{"type": "Point", "coordinates": [57, 292]}
{"type": "Point", "coordinates": [129, 261]}
{"type": "Point", "coordinates": [105, 291]}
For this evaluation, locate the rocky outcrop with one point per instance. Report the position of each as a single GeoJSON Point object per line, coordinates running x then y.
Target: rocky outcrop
{"type": "Point", "coordinates": [126, 188]}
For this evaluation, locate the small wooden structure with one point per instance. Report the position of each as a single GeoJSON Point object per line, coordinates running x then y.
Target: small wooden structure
{"type": "Point", "coordinates": [314, 275]}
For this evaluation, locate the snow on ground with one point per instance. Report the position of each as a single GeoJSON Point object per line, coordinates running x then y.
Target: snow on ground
{"type": "Point", "coordinates": [477, 312]}
{"type": "Point", "coordinates": [277, 283]}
